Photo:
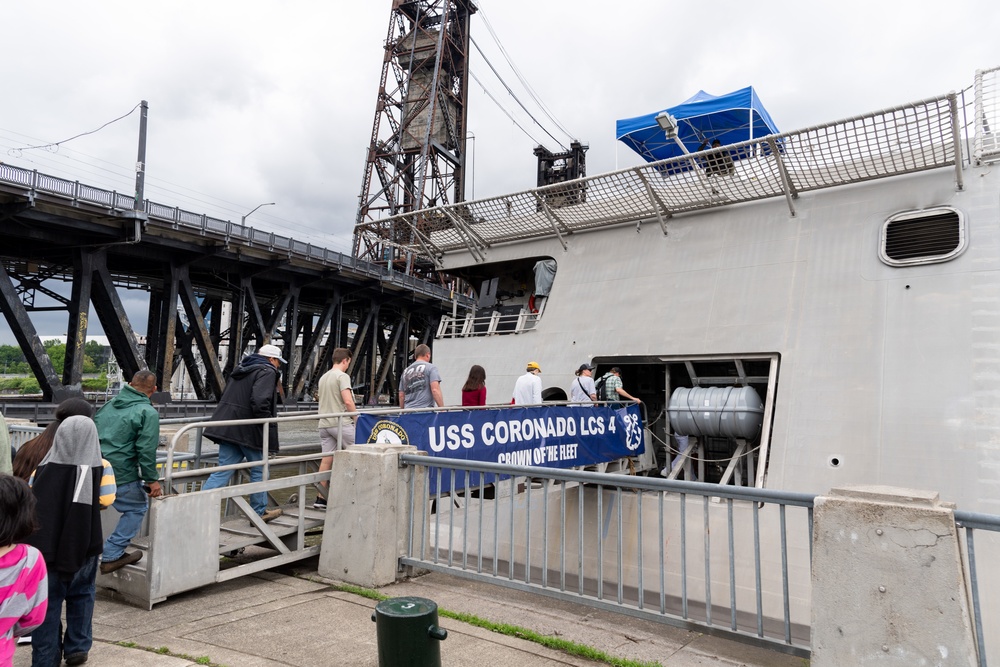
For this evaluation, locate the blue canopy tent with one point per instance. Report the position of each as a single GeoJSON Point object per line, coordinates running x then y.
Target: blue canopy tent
{"type": "Point", "coordinates": [730, 118]}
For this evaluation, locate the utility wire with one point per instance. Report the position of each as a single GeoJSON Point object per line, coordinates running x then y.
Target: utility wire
{"type": "Point", "coordinates": [82, 134]}
{"type": "Point", "coordinates": [511, 93]}
{"type": "Point", "coordinates": [504, 109]}
{"type": "Point", "coordinates": [115, 178]}
{"type": "Point", "coordinates": [520, 77]}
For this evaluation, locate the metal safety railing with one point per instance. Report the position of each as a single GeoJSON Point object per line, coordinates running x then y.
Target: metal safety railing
{"type": "Point", "coordinates": [635, 545]}
{"type": "Point", "coordinates": [970, 522]}
{"type": "Point", "coordinates": [189, 527]}
{"type": "Point", "coordinates": [21, 433]}
{"type": "Point", "coordinates": [927, 134]}
{"type": "Point", "coordinates": [987, 114]}
{"type": "Point", "coordinates": [490, 323]}
{"type": "Point", "coordinates": [891, 142]}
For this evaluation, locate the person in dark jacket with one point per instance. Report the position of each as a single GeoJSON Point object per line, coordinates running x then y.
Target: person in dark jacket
{"type": "Point", "coordinates": [67, 487]}
{"type": "Point", "coordinates": [251, 393]}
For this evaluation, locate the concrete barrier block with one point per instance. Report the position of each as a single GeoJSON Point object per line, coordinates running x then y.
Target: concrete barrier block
{"type": "Point", "coordinates": [888, 581]}
{"type": "Point", "coordinates": [367, 521]}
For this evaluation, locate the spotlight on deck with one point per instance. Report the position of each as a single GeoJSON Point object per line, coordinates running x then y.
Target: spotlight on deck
{"type": "Point", "coordinates": [668, 124]}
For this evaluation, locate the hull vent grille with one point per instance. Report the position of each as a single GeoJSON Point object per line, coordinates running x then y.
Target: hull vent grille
{"type": "Point", "coordinates": [922, 237]}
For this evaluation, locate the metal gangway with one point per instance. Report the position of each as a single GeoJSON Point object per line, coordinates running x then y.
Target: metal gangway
{"type": "Point", "coordinates": [191, 538]}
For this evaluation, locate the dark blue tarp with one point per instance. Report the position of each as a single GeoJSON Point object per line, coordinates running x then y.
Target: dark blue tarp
{"type": "Point", "coordinates": [730, 118]}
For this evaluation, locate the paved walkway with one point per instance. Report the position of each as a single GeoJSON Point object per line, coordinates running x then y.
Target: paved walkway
{"type": "Point", "coordinates": [299, 619]}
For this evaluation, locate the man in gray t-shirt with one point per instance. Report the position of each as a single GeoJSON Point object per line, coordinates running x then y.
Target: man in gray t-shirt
{"type": "Point", "coordinates": [420, 384]}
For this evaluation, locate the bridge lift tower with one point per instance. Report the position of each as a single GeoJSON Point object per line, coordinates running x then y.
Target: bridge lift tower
{"type": "Point", "coordinates": [416, 158]}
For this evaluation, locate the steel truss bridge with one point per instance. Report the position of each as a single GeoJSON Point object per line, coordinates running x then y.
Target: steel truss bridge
{"type": "Point", "coordinates": [216, 290]}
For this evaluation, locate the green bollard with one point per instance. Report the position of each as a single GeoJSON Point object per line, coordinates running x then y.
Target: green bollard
{"type": "Point", "coordinates": [408, 633]}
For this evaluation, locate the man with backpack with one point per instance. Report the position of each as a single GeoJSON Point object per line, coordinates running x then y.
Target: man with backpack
{"type": "Point", "coordinates": [609, 388]}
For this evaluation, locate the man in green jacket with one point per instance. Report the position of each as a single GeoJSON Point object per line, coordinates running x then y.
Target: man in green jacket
{"type": "Point", "coordinates": [129, 428]}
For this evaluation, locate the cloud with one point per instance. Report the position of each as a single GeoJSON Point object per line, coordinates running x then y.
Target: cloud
{"type": "Point", "coordinates": [256, 101]}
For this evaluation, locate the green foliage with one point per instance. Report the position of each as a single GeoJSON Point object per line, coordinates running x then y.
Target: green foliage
{"type": "Point", "coordinates": [95, 357]}
{"type": "Point", "coordinates": [20, 385]}
{"type": "Point", "coordinates": [98, 355]}
{"type": "Point", "coordinates": [99, 383]}
{"type": "Point", "coordinates": [165, 650]}
{"type": "Point", "coordinates": [57, 354]}
{"type": "Point", "coordinates": [12, 360]}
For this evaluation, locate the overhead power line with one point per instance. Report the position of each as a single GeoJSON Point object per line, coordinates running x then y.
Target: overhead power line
{"type": "Point", "coordinates": [520, 77]}
{"type": "Point", "coordinates": [511, 93]}
{"type": "Point", "coordinates": [504, 109]}
{"type": "Point", "coordinates": [82, 134]}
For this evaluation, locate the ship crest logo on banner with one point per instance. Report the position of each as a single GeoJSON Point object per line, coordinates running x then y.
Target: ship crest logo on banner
{"type": "Point", "coordinates": [385, 432]}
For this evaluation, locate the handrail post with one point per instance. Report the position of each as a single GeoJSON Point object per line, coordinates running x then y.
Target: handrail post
{"type": "Point", "coordinates": [956, 140]}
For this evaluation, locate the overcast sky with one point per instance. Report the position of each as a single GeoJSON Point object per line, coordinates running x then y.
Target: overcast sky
{"type": "Point", "coordinates": [255, 101]}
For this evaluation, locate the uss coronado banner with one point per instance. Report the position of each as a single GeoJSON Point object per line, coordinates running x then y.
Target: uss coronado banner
{"type": "Point", "coordinates": [553, 437]}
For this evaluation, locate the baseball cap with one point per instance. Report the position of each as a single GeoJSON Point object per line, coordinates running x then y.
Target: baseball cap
{"type": "Point", "coordinates": [533, 366]}
{"type": "Point", "coordinates": [584, 367]}
{"type": "Point", "coordinates": [272, 351]}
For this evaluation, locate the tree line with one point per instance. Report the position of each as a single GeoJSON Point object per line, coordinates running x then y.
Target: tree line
{"type": "Point", "coordinates": [13, 362]}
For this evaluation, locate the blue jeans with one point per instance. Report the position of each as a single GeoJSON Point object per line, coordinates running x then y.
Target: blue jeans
{"type": "Point", "coordinates": [130, 501]}
{"type": "Point", "coordinates": [48, 642]}
{"type": "Point", "coordinates": [230, 454]}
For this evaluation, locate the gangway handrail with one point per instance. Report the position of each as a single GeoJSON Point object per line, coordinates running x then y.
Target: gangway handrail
{"type": "Point", "coordinates": [202, 424]}
{"type": "Point", "coordinates": [752, 494]}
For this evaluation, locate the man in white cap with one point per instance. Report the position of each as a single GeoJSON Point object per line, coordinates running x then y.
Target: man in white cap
{"type": "Point", "coordinates": [251, 393]}
{"type": "Point", "coordinates": [528, 387]}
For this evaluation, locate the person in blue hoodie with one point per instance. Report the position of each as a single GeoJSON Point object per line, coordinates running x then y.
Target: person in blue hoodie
{"type": "Point", "coordinates": [251, 393]}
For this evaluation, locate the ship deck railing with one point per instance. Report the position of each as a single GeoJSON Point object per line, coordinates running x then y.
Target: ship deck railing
{"type": "Point", "coordinates": [933, 133]}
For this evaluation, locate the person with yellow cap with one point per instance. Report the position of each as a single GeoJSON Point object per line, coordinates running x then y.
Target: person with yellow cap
{"type": "Point", "coordinates": [528, 388]}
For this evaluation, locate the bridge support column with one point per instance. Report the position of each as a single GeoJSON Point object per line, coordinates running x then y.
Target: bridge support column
{"type": "Point", "coordinates": [888, 582]}
{"type": "Point", "coordinates": [368, 514]}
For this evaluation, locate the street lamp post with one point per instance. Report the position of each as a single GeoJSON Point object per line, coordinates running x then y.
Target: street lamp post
{"type": "Point", "coordinates": [243, 220]}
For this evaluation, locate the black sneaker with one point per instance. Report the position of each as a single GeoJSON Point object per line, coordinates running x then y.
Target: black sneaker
{"type": "Point", "coordinates": [319, 503]}
{"type": "Point", "coordinates": [76, 659]}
